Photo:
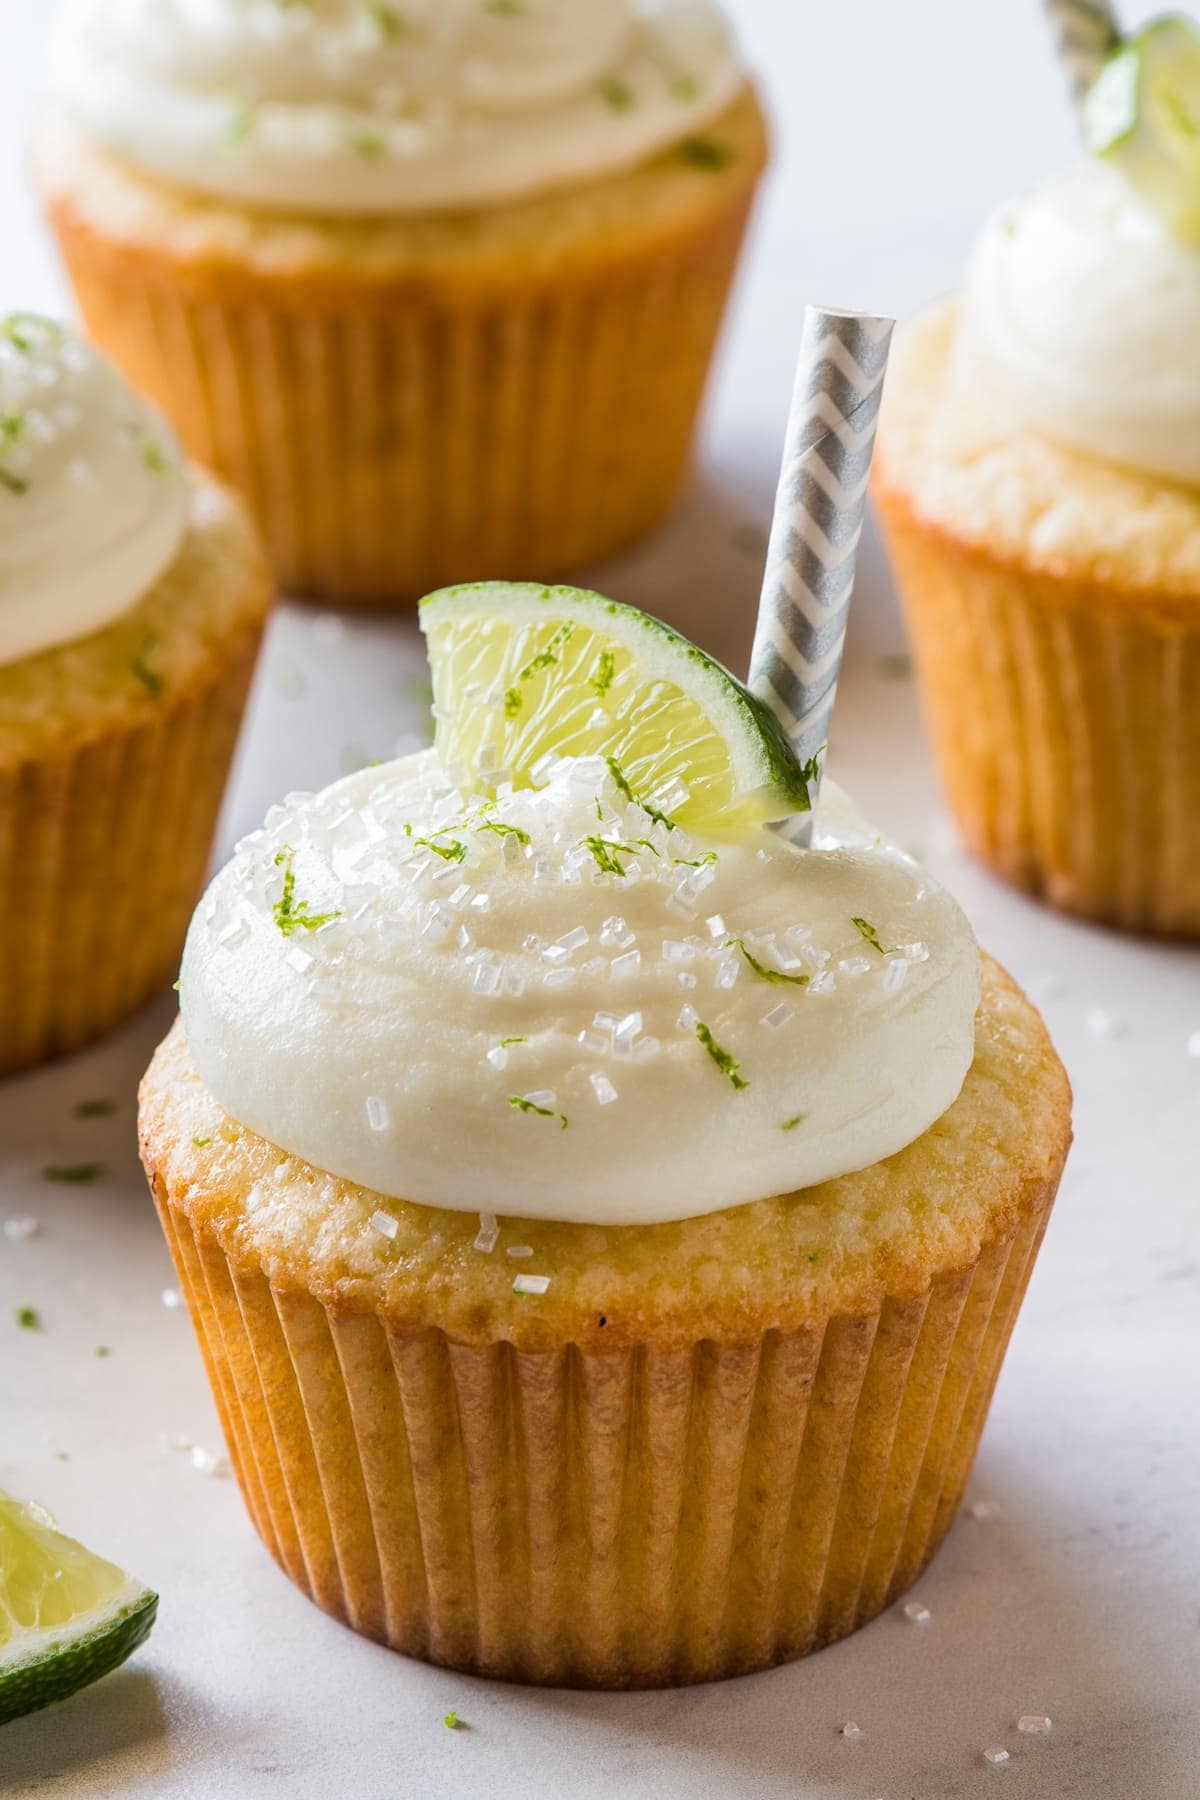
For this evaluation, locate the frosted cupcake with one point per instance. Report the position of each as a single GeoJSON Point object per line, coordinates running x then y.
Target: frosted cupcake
{"type": "Point", "coordinates": [603, 1221]}
{"type": "Point", "coordinates": [435, 283]}
{"type": "Point", "coordinates": [1038, 471]}
{"type": "Point", "coordinates": [132, 597]}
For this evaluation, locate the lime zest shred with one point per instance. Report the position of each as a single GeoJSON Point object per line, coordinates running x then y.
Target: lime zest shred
{"type": "Point", "coordinates": [727, 1064]}
{"type": "Point", "coordinates": [455, 851]}
{"type": "Point", "coordinates": [761, 969]}
{"type": "Point", "coordinates": [452, 1722]}
{"type": "Point", "coordinates": [501, 829]}
{"type": "Point", "coordinates": [75, 1174]}
{"type": "Point", "coordinates": [696, 862]}
{"type": "Point", "coordinates": [868, 932]}
{"type": "Point", "coordinates": [617, 93]}
{"type": "Point", "coordinates": [202, 1143]}
{"type": "Point", "coordinates": [292, 915]}
{"type": "Point", "coordinates": [520, 1104]}
{"type": "Point", "coordinates": [15, 484]}
{"type": "Point", "coordinates": [705, 153]}
{"type": "Point", "coordinates": [97, 1109]}
{"type": "Point", "coordinates": [506, 1042]}
{"type": "Point", "coordinates": [622, 783]}
{"type": "Point", "coordinates": [791, 1124]}
{"type": "Point", "coordinates": [150, 679]}
{"type": "Point", "coordinates": [24, 329]}
{"type": "Point", "coordinates": [28, 1318]}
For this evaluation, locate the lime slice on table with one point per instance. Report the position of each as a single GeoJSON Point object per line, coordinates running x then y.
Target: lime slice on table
{"type": "Point", "coordinates": [66, 1617]}
{"type": "Point", "coordinates": [522, 673]}
{"type": "Point", "coordinates": [1143, 116]}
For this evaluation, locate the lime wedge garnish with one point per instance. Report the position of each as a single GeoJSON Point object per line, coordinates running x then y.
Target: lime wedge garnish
{"type": "Point", "coordinates": [1143, 116]}
{"type": "Point", "coordinates": [524, 674]}
{"type": "Point", "coordinates": [66, 1617]}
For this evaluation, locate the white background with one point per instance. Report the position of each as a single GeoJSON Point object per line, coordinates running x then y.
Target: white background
{"type": "Point", "coordinates": [899, 126]}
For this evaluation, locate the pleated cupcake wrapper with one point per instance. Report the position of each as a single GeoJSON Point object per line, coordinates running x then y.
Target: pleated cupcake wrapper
{"type": "Point", "coordinates": [1067, 730]}
{"type": "Point", "coordinates": [103, 851]}
{"type": "Point", "coordinates": [392, 445]}
{"type": "Point", "coordinates": [637, 1518]}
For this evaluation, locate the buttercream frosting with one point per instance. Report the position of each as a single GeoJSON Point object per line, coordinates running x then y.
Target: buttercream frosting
{"type": "Point", "coordinates": [393, 106]}
{"type": "Point", "coordinates": [92, 504]}
{"type": "Point", "coordinates": [1078, 322]}
{"type": "Point", "coordinates": [554, 1007]}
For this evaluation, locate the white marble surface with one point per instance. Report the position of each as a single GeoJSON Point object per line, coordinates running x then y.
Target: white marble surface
{"type": "Point", "coordinates": [1080, 1598]}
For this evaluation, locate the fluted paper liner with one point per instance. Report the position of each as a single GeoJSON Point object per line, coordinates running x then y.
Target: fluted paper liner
{"type": "Point", "coordinates": [392, 439]}
{"type": "Point", "coordinates": [630, 1519]}
{"type": "Point", "coordinates": [1066, 723]}
{"type": "Point", "coordinates": [103, 849]}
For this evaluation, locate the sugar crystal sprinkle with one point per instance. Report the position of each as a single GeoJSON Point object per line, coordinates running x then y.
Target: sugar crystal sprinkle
{"type": "Point", "coordinates": [851, 1732]}
{"type": "Point", "coordinates": [520, 1250]}
{"type": "Point", "coordinates": [916, 1613]}
{"type": "Point", "coordinates": [19, 1229]}
{"type": "Point", "coordinates": [997, 1758]}
{"type": "Point", "coordinates": [531, 1284]}
{"type": "Point", "coordinates": [209, 1462]}
{"type": "Point", "coordinates": [171, 1298]}
{"type": "Point", "coordinates": [985, 1509]}
{"type": "Point", "coordinates": [384, 1224]}
{"type": "Point", "coordinates": [1034, 1724]}
{"type": "Point", "coordinates": [603, 1089]}
{"type": "Point", "coordinates": [377, 1113]}
{"type": "Point", "coordinates": [488, 1233]}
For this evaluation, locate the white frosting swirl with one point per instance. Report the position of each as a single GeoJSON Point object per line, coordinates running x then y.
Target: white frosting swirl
{"type": "Point", "coordinates": [347, 992]}
{"type": "Point", "coordinates": [397, 106]}
{"type": "Point", "coordinates": [1079, 323]}
{"type": "Point", "coordinates": [92, 507]}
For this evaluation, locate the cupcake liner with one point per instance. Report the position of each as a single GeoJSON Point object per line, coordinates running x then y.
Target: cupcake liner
{"type": "Point", "coordinates": [637, 1518]}
{"type": "Point", "coordinates": [103, 850]}
{"type": "Point", "coordinates": [1066, 722]}
{"type": "Point", "coordinates": [393, 436]}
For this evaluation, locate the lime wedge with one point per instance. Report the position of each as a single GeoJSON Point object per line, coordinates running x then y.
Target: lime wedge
{"type": "Point", "coordinates": [522, 674]}
{"type": "Point", "coordinates": [66, 1617]}
{"type": "Point", "coordinates": [1143, 116]}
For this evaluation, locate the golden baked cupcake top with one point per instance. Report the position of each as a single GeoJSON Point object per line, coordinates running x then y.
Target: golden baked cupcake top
{"type": "Point", "coordinates": [531, 970]}
{"type": "Point", "coordinates": [393, 106]}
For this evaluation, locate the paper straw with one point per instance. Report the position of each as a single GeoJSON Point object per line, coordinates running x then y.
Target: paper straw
{"type": "Point", "coordinates": [819, 508]}
{"type": "Point", "coordinates": [1087, 33]}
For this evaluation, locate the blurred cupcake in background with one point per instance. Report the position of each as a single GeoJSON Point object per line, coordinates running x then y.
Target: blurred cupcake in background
{"type": "Point", "coordinates": [1039, 478]}
{"type": "Point", "coordinates": [435, 283]}
{"type": "Point", "coordinates": [132, 598]}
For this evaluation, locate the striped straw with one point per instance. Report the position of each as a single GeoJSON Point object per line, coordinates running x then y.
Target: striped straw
{"type": "Point", "coordinates": [1087, 33]}
{"type": "Point", "coordinates": [819, 508]}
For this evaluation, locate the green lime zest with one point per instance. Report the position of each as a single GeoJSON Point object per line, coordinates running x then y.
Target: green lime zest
{"type": "Point", "coordinates": [546, 658]}
{"type": "Point", "coordinates": [791, 1124]}
{"type": "Point", "coordinates": [75, 1174]}
{"type": "Point", "coordinates": [867, 931]}
{"type": "Point", "coordinates": [28, 1318]}
{"type": "Point", "coordinates": [728, 1066]}
{"type": "Point", "coordinates": [506, 1043]}
{"type": "Point", "coordinates": [617, 93]}
{"type": "Point", "coordinates": [500, 829]}
{"type": "Point", "coordinates": [624, 788]}
{"type": "Point", "coordinates": [292, 915]}
{"type": "Point", "coordinates": [1142, 115]}
{"type": "Point", "coordinates": [15, 484]}
{"type": "Point", "coordinates": [761, 969]}
{"type": "Point", "coordinates": [455, 851]}
{"type": "Point", "coordinates": [705, 153]}
{"type": "Point", "coordinates": [452, 1722]}
{"type": "Point", "coordinates": [97, 1109]}
{"type": "Point", "coordinates": [150, 679]}
{"type": "Point", "coordinates": [519, 1104]}
{"type": "Point", "coordinates": [29, 331]}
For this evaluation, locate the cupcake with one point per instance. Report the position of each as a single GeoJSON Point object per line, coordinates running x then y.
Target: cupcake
{"type": "Point", "coordinates": [602, 1220]}
{"type": "Point", "coordinates": [435, 283]}
{"type": "Point", "coordinates": [1038, 474]}
{"type": "Point", "coordinates": [132, 598]}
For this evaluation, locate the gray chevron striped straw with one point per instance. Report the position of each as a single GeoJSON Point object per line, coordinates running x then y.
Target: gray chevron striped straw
{"type": "Point", "coordinates": [1087, 33]}
{"type": "Point", "coordinates": [819, 508]}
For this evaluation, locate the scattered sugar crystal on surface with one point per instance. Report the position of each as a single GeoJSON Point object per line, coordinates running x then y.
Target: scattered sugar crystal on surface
{"type": "Point", "coordinates": [514, 982]}
{"type": "Point", "coordinates": [855, 965]}
{"type": "Point", "coordinates": [606, 1021]}
{"type": "Point", "coordinates": [377, 1113]}
{"type": "Point", "coordinates": [543, 1097]}
{"type": "Point", "coordinates": [531, 1284]}
{"type": "Point", "coordinates": [176, 1440]}
{"type": "Point", "coordinates": [19, 1229]}
{"type": "Point", "coordinates": [519, 1250]}
{"type": "Point", "coordinates": [384, 1224]}
{"type": "Point", "coordinates": [851, 1731]}
{"type": "Point", "coordinates": [532, 943]}
{"type": "Point", "coordinates": [573, 940]}
{"type": "Point", "coordinates": [464, 940]}
{"type": "Point", "coordinates": [716, 926]}
{"type": "Point", "coordinates": [678, 903]}
{"type": "Point", "coordinates": [917, 1613]}
{"type": "Point", "coordinates": [1193, 1045]}
{"type": "Point", "coordinates": [646, 1049]}
{"type": "Point", "coordinates": [489, 1232]}
{"type": "Point", "coordinates": [759, 934]}
{"type": "Point", "coordinates": [234, 934]}
{"type": "Point", "coordinates": [486, 979]}
{"type": "Point", "coordinates": [674, 950]}
{"type": "Point", "coordinates": [461, 894]}
{"type": "Point", "coordinates": [209, 1462]}
{"type": "Point", "coordinates": [1034, 1724]}
{"type": "Point", "coordinates": [686, 979]}
{"type": "Point", "coordinates": [913, 952]}
{"type": "Point", "coordinates": [895, 975]}
{"type": "Point", "coordinates": [778, 1015]}
{"type": "Point", "coordinates": [798, 934]}
{"type": "Point", "coordinates": [985, 1509]}
{"type": "Point", "coordinates": [997, 1758]}
{"type": "Point", "coordinates": [727, 971]}
{"type": "Point", "coordinates": [555, 953]}
{"type": "Point", "coordinates": [626, 1029]}
{"type": "Point", "coordinates": [299, 959]}
{"type": "Point", "coordinates": [595, 965]}
{"type": "Point", "coordinates": [616, 932]}
{"type": "Point", "coordinates": [1103, 1024]}
{"type": "Point", "coordinates": [603, 1089]}
{"type": "Point", "coordinates": [558, 978]}
{"type": "Point", "coordinates": [481, 902]}
{"type": "Point", "coordinates": [171, 1298]}
{"type": "Point", "coordinates": [824, 983]}
{"type": "Point", "coordinates": [626, 965]}
{"type": "Point", "coordinates": [688, 1018]}
{"type": "Point", "coordinates": [594, 1041]}
{"type": "Point", "coordinates": [763, 856]}
{"type": "Point", "coordinates": [498, 1057]}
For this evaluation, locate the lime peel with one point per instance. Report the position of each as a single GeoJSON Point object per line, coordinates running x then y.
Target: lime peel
{"type": "Point", "coordinates": [597, 678]}
{"type": "Point", "coordinates": [1142, 116]}
{"type": "Point", "coordinates": [67, 1617]}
